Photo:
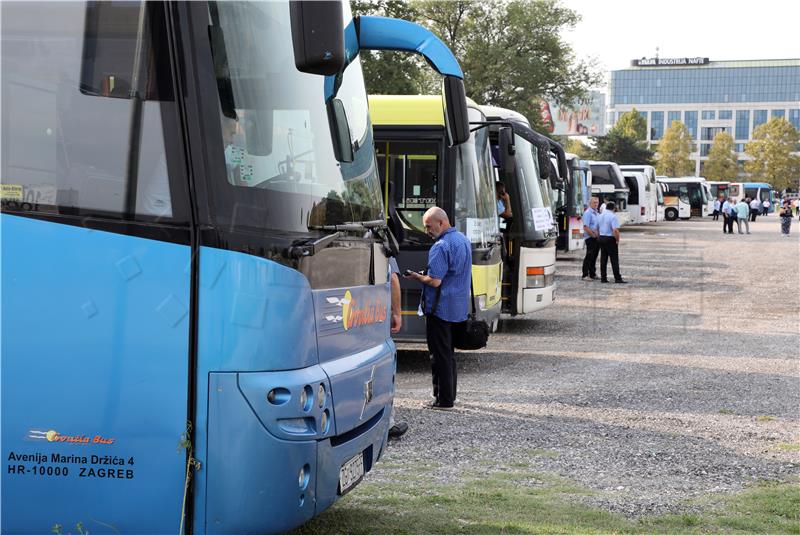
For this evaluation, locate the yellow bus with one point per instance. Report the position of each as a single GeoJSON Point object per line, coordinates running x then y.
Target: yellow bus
{"type": "Point", "coordinates": [419, 170]}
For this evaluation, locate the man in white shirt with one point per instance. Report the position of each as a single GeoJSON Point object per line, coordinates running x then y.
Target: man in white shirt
{"type": "Point", "coordinates": [755, 208]}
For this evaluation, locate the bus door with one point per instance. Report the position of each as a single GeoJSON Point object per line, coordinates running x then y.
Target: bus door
{"type": "Point", "coordinates": [96, 285]}
{"type": "Point", "coordinates": [410, 177]}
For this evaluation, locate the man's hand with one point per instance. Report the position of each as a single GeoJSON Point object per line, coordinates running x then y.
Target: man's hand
{"type": "Point", "coordinates": [397, 322]}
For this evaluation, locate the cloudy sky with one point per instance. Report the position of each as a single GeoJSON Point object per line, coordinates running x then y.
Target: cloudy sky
{"type": "Point", "coordinates": [617, 31]}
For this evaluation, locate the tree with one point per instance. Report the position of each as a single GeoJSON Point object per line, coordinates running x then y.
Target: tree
{"type": "Point", "coordinates": [511, 52]}
{"type": "Point", "coordinates": [394, 73]}
{"type": "Point", "coordinates": [721, 164]}
{"type": "Point", "coordinates": [618, 146]}
{"type": "Point", "coordinates": [771, 152]}
{"type": "Point", "coordinates": [632, 124]}
{"type": "Point", "coordinates": [674, 150]}
{"type": "Point", "coordinates": [579, 148]}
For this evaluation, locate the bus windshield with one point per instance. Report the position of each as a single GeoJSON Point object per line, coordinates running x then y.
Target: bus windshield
{"type": "Point", "coordinates": [282, 171]}
{"type": "Point", "coordinates": [576, 190]}
{"type": "Point", "coordinates": [533, 196]}
{"type": "Point", "coordinates": [475, 206]}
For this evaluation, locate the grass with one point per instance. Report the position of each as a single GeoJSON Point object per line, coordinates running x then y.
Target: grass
{"type": "Point", "coordinates": [519, 502]}
{"type": "Point", "coordinates": [765, 418]}
{"type": "Point", "coordinates": [786, 446]}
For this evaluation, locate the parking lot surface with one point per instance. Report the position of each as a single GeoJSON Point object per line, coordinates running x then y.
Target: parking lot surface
{"type": "Point", "coordinates": [678, 387]}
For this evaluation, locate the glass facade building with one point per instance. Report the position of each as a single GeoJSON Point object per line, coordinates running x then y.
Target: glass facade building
{"type": "Point", "coordinates": [731, 96]}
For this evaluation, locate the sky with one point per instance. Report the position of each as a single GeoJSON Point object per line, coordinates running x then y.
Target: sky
{"type": "Point", "coordinates": [617, 31]}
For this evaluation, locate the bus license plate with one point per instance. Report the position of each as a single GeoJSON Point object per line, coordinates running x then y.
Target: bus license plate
{"type": "Point", "coordinates": [351, 473]}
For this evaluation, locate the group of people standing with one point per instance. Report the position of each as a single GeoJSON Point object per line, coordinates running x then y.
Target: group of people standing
{"type": "Point", "coordinates": [601, 234]}
{"type": "Point", "coordinates": [739, 212]}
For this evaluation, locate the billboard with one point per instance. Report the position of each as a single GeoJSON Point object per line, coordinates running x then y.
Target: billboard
{"type": "Point", "coordinates": [585, 117]}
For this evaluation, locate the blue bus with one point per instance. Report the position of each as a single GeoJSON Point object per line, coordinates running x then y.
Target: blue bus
{"type": "Point", "coordinates": [195, 331]}
{"type": "Point", "coordinates": [754, 190]}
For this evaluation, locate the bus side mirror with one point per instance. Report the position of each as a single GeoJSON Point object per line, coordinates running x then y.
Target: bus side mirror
{"type": "Point", "coordinates": [317, 36]}
{"type": "Point", "coordinates": [544, 162]}
{"type": "Point", "coordinates": [340, 131]}
{"type": "Point", "coordinates": [506, 137]}
{"type": "Point", "coordinates": [455, 112]}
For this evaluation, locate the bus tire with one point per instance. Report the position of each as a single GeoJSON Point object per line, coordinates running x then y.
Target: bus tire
{"type": "Point", "coordinates": [670, 214]}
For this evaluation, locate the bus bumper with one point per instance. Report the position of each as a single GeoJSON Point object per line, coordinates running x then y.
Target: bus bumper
{"type": "Point", "coordinates": [534, 299]}
{"type": "Point", "coordinates": [260, 481]}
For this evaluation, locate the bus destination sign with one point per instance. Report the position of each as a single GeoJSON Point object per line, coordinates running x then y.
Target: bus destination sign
{"type": "Point", "coordinates": [668, 62]}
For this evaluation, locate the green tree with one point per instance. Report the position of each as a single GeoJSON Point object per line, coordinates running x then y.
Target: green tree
{"type": "Point", "coordinates": [394, 73]}
{"type": "Point", "coordinates": [578, 147]}
{"type": "Point", "coordinates": [721, 164]}
{"type": "Point", "coordinates": [674, 150]}
{"type": "Point", "coordinates": [632, 124]}
{"type": "Point", "coordinates": [511, 52]}
{"type": "Point", "coordinates": [618, 146]}
{"type": "Point", "coordinates": [771, 152]}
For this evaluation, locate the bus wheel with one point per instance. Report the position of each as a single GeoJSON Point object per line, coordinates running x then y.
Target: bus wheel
{"type": "Point", "coordinates": [671, 214]}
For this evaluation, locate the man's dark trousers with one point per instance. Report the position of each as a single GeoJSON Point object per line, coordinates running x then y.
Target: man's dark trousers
{"type": "Point", "coordinates": [728, 226]}
{"type": "Point", "coordinates": [608, 248]}
{"type": "Point", "coordinates": [440, 344]}
{"type": "Point", "coordinates": [590, 260]}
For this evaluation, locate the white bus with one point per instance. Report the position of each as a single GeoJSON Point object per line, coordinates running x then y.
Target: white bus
{"type": "Point", "coordinates": [609, 185]}
{"type": "Point", "coordinates": [698, 191]}
{"type": "Point", "coordinates": [650, 186]}
{"type": "Point", "coordinates": [638, 197]}
{"type": "Point", "coordinates": [673, 201]}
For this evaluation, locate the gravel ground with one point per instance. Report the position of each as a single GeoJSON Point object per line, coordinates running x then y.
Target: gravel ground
{"type": "Point", "coordinates": [659, 395]}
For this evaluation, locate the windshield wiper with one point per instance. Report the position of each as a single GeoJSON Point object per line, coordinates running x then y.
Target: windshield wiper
{"type": "Point", "coordinates": [311, 246]}
{"type": "Point", "coordinates": [355, 226]}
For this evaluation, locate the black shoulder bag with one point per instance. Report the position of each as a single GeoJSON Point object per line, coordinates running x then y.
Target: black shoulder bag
{"type": "Point", "coordinates": [470, 334]}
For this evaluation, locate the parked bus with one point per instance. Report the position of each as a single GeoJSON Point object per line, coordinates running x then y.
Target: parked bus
{"type": "Point", "coordinates": [609, 185]}
{"type": "Point", "coordinates": [201, 264]}
{"type": "Point", "coordinates": [650, 182]}
{"type": "Point", "coordinates": [522, 159]}
{"type": "Point", "coordinates": [761, 190]}
{"type": "Point", "coordinates": [638, 197]}
{"type": "Point", "coordinates": [698, 192]}
{"type": "Point", "coordinates": [570, 235]}
{"type": "Point", "coordinates": [419, 170]}
{"type": "Point", "coordinates": [718, 189]}
{"type": "Point", "coordinates": [673, 201]}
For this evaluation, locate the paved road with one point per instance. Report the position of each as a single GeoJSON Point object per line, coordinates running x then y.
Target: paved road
{"type": "Point", "coordinates": [683, 384]}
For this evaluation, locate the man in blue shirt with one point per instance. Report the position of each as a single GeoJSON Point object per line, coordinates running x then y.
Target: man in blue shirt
{"type": "Point", "coordinates": [446, 294]}
{"type": "Point", "coordinates": [590, 238]}
{"type": "Point", "coordinates": [608, 227]}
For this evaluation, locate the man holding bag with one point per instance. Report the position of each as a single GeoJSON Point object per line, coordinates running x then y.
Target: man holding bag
{"type": "Point", "coordinates": [445, 300]}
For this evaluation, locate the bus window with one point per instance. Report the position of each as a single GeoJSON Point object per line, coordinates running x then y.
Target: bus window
{"type": "Point", "coordinates": [414, 177]}
{"type": "Point", "coordinates": [89, 136]}
{"type": "Point", "coordinates": [281, 170]}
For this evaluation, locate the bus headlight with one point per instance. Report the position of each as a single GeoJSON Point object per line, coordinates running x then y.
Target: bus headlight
{"type": "Point", "coordinates": [535, 277]}
{"type": "Point", "coordinates": [321, 395]}
{"type": "Point", "coordinates": [306, 398]}
{"type": "Point", "coordinates": [481, 300]}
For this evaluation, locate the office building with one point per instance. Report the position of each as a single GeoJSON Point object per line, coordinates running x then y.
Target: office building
{"type": "Point", "coordinates": [707, 96]}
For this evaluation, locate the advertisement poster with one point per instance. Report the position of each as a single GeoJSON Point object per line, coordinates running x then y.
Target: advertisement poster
{"type": "Point", "coordinates": [583, 118]}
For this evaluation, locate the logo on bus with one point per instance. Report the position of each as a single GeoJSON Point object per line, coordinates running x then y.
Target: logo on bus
{"type": "Point", "coordinates": [356, 313]}
{"type": "Point", "coordinates": [52, 435]}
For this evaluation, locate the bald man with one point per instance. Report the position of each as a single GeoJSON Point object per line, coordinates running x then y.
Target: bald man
{"type": "Point", "coordinates": [445, 298]}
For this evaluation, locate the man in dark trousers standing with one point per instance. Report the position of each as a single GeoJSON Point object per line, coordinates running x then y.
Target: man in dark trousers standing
{"type": "Point", "coordinates": [608, 227]}
{"type": "Point", "coordinates": [590, 235]}
{"type": "Point", "coordinates": [445, 299]}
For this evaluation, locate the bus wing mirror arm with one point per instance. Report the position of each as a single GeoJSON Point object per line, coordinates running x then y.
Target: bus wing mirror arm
{"type": "Point", "coordinates": [381, 33]}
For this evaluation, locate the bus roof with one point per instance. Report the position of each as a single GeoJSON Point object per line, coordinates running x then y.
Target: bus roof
{"type": "Point", "coordinates": [686, 179]}
{"type": "Point", "coordinates": [406, 110]}
{"type": "Point", "coordinates": [754, 184]}
{"type": "Point", "coordinates": [496, 113]}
